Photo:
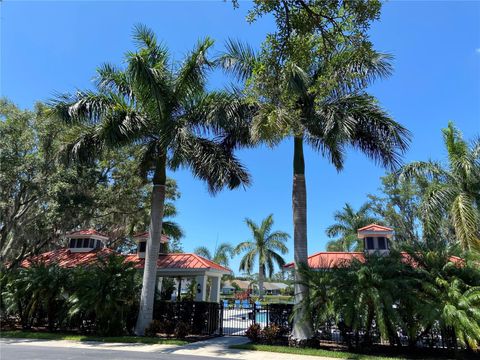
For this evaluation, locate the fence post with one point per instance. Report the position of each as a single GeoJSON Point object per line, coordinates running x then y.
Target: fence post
{"type": "Point", "coordinates": [220, 307]}
{"type": "Point", "coordinates": [254, 313]}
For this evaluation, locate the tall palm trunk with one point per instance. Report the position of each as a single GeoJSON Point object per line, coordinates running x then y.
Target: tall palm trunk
{"type": "Point", "coordinates": [302, 324]}
{"type": "Point", "coordinates": [260, 281]}
{"type": "Point", "coordinates": [147, 297]}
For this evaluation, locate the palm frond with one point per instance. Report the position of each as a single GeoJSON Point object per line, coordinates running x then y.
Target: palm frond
{"type": "Point", "coordinates": [239, 59]}
{"type": "Point", "coordinates": [192, 74]}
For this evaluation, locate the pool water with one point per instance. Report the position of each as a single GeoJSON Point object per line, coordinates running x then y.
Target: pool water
{"type": "Point", "coordinates": [261, 317]}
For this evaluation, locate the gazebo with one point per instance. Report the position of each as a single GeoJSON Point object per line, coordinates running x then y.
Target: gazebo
{"type": "Point", "coordinates": [85, 246]}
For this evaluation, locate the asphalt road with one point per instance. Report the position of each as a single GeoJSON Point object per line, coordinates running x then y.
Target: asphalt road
{"type": "Point", "coordinates": [29, 352]}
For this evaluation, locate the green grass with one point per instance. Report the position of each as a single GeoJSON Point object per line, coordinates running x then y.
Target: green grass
{"type": "Point", "coordinates": [74, 337]}
{"type": "Point", "coordinates": [313, 352]}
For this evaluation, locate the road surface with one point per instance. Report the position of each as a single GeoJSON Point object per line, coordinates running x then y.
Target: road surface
{"type": "Point", "coordinates": [32, 352]}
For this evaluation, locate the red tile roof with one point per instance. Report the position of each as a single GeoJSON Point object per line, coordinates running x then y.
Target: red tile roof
{"type": "Point", "coordinates": [146, 234]}
{"type": "Point", "coordinates": [65, 258]}
{"type": "Point", "coordinates": [180, 261]}
{"type": "Point", "coordinates": [328, 260]}
{"type": "Point", "coordinates": [375, 227]}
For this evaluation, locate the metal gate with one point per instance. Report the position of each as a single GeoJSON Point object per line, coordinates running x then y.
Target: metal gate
{"type": "Point", "coordinates": [236, 318]}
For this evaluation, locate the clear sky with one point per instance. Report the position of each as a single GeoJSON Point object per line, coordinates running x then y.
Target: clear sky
{"type": "Point", "coordinates": [50, 46]}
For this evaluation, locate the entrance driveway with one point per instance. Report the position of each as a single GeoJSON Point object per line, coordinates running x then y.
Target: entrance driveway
{"type": "Point", "coordinates": [216, 348]}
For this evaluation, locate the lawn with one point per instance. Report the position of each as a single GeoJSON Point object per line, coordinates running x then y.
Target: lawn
{"type": "Point", "coordinates": [313, 352]}
{"type": "Point", "coordinates": [75, 337]}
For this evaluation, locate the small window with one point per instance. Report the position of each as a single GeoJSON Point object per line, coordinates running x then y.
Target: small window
{"type": "Point", "coordinates": [86, 242]}
{"type": "Point", "coordinates": [72, 243]}
{"type": "Point", "coordinates": [92, 243]}
{"type": "Point", "coordinates": [369, 243]}
{"type": "Point", "coordinates": [142, 246]}
{"type": "Point", "coordinates": [382, 243]}
{"type": "Point", "coordinates": [78, 243]}
{"type": "Point", "coordinates": [163, 248]}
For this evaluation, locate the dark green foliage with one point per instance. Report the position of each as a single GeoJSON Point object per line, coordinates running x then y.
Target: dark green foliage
{"type": "Point", "coordinates": [101, 298]}
{"type": "Point", "coordinates": [422, 294]}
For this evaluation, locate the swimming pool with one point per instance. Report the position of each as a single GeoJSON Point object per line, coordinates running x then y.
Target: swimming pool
{"type": "Point", "coordinates": [261, 317]}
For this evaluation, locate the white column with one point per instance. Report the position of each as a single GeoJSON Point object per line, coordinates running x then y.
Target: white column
{"type": "Point", "coordinates": [201, 288]}
{"type": "Point", "coordinates": [159, 284]}
{"type": "Point", "coordinates": [215, 293]}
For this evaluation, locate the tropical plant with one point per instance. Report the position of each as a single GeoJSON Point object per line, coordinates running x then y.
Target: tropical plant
{"type": "Point", "coordinates": [448, 295]}
{"type": "Point", "coordinates": [453, 191]}
{"type": "Point", "coordinates": [108, 292]}
{"type": "Point", "coordinates": [36, 292]}
{"type": "Point", "coordinates": [221, 255]}
{"type": "Point", "coordinates": [348, 221]}
{"type": "Point", "coordinates": [263, 248]}
{"type": "Point", "coordinates": [163, 108]}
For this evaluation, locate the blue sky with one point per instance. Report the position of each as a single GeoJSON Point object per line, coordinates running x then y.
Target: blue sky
{"type": "Point", "coordinates": [49, 46]}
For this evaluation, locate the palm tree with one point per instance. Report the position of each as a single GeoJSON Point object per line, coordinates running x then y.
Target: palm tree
{"type": "Point", "coordinates": [348, 222]}
{"type": "Point", "coordinates": [452, 191]}
{"type": "Point", "coordinates": [264, 248]}
{"type": "Point", "coordinates": [163, 108]}
{"type": "Point", "coordinates": [323, 104]}
{"type": "Point", "coordinates": [221, 255]}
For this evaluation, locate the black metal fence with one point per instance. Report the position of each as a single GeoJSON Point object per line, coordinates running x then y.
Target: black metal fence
{"type": "Point", "coordinates": [201, 318]}
{"type": "Point", "coordinates": [236, 318]}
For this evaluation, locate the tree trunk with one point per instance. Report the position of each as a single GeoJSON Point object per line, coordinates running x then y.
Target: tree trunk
{"type": "Point", "coordinates": [260, 281]}
{"type": "Point", "coordinates": [302, 324]}
{"type": "Point", "coordinates": [147, 297]}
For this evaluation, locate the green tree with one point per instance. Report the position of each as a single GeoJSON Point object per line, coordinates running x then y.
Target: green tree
{"type": "Point", "coordinates": [221, 255]}
{"type": "Point", "coordinates": [162, 107]}
{"type": "Point", "coordinates": [398, 205]}
{"type": "Point", "coordinates": [348, 221]}
{"type": "Point", "coordinates": [263, 248]}
{"type": "Point", "coordinates": [308, 84]}
{"type": "Point", "coordinates": [453, 191]}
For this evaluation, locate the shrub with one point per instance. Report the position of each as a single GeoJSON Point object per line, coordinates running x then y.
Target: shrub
{"type": "Point", "coordinates": [182, 330]}
{"type": "Point", "coordinates": [273, 334]}
{"type": "Point", "coordinates": [153, 328]}
{"type": "Point", "coordinates": [168, 327]}
{"type": "Point", "coordinates": [254, 333]}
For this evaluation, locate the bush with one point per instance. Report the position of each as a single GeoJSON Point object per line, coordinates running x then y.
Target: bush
{"type": "Point", "coordinates": [273, 334]}
{"type": "Point", "coordinates": [254, 333]}
{"type": "Point", "coordinates": [153, 328]}
{"type": "Point", "coordinates": [168, 327]}
{"type": "Point", "coordinates": [182, 330]}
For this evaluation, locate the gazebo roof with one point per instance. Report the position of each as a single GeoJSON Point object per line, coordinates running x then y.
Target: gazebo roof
{"type": "Point", "coordinates": [176, 262]}
{"type": "Point", "coordinates": [181, 261]}
{"type": "Point", "coordinates": [331, 259]}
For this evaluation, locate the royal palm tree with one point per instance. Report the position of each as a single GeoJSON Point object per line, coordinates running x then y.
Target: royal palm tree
{"type": "Point", "coordinates": [348, 221]}
{"type": "Point", "coordinates": [323, 104]}
{"type": "Point", "coordinates": [452, 190]}
{"type": "Point", "coordinates": [221, 255]}
{"type": "Point", "coordinates": [162, 107]}
{"type": "Point", "coordinates": [263, 248]}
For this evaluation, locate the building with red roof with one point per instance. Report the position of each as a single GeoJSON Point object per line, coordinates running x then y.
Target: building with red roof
{"type": "Point", "coordinates": [86, 246]}
{"type": "Point", "coordinates": [376, 239]}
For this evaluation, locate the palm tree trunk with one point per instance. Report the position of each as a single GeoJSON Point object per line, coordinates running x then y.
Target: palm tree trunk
{"type": "Point", "coordinates": [260, 281]}
{"type": "Point", "coordinates": [302, 324]}
{"type": "Point", "coordinates": [147, 297]}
